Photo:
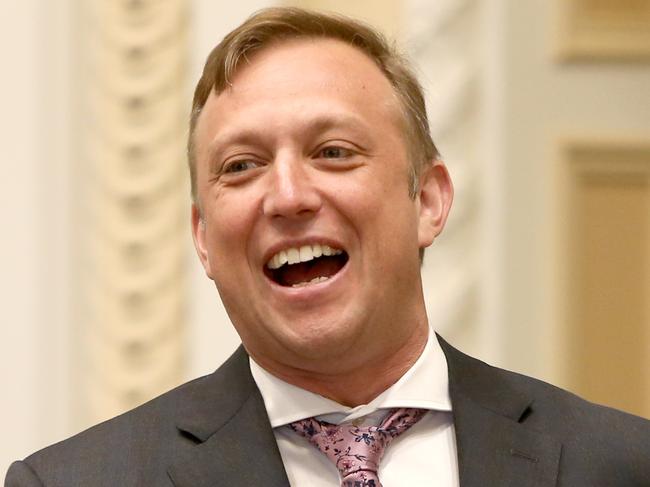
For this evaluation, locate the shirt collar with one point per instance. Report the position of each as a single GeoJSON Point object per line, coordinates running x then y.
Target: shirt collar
{"type": "Point", "coordinates": [424, 386]}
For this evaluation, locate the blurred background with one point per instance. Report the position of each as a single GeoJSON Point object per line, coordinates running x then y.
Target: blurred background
{"type": "Point", "coordinates": [540, 108]}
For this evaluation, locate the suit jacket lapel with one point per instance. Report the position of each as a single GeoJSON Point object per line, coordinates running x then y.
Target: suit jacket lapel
{"type": "Point", "coordinates": [495, 446]}
{"type": "Point", "coordinates": [235, 444]}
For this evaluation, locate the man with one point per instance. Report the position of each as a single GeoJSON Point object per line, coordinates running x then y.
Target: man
{"type": "Point", "coordinates": [316, 189]}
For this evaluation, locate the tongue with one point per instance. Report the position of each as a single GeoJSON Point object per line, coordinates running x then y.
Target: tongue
{"type": "Point", "coordinates": [306, 271]}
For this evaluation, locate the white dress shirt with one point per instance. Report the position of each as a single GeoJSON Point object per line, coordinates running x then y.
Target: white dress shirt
{"type": "Point", "coordinates": [423, 455]}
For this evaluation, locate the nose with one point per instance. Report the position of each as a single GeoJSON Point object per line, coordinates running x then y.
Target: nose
{"type": "Point", "coordinates": [292, 192]}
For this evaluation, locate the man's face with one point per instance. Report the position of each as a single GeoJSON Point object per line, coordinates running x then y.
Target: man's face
{"type": "Point", "coordinates": [304, 160]}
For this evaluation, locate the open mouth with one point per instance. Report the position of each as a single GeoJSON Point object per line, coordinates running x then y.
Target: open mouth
{"type": "Point", "coordinates": [306, 265]}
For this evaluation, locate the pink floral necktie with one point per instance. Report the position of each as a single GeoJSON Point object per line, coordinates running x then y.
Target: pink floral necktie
{"type": "Point", "coordinates": [356, 451]}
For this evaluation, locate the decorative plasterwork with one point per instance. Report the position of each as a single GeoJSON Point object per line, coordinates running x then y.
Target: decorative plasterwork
{"type": "Point", "coordinates": [441, 39]}
{"type": "Point", "coordinates": [134, 178]}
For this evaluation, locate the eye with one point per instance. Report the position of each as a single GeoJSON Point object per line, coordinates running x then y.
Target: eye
{"type": "Point", "coordinates": [240, 166]}
{"type": "Point", "coordinates": [334, 152]}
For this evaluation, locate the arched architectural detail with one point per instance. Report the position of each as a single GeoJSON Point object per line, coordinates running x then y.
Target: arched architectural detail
{"type": "Point", "coordinates": [133, 174]}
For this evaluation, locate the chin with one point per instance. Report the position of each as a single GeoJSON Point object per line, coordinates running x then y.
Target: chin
{"type": "Point", "coordinates": [321, 340]}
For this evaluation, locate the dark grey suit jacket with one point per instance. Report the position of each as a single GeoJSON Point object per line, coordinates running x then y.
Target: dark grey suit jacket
{"type": "Point", "coordinates": [511, 430]}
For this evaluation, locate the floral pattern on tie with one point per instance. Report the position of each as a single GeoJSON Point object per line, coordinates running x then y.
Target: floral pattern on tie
{"type": "Point", "coordinates": [356, 451]}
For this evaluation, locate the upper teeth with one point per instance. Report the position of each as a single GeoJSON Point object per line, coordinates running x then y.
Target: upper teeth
{"type": "Point", "coordinates": [294, 255]}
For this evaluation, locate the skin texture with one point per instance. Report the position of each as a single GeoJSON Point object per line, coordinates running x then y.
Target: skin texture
{"type": "Point", "coordinates": [307, 146]}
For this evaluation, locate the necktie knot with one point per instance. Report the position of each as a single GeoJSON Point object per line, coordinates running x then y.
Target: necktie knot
{"type": "Point", "coordinates": [356, 451]}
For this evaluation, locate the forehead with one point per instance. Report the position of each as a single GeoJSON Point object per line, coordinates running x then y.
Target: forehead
{"type": "Point", "coordinates": [309, 71]}
{"type": "Point", "coordinates": [326, 61]}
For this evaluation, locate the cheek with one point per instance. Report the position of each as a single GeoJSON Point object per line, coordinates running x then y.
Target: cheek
{"type": "Point", "coordinates": [377, 201]}
{"type": "Point", "coordinates": [230, 223]}
{"type": "Point", "coordinates": [383, 216]}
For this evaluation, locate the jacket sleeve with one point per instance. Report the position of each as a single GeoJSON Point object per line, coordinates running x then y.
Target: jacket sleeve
{"type": "Point", "coordinates": [20, 474]}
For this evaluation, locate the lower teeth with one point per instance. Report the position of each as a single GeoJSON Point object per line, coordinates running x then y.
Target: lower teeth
{"type": "Point", "coordinates": [313, 281]}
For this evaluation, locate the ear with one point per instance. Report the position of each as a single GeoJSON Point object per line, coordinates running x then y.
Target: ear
{"type": "Point", "coordinates": [198, 235]}
{"type": "Point", "coordinates": [434, 198]}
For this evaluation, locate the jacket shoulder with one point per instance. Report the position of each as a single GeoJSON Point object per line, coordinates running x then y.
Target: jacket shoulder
{"type": "Point", "coordinates": [597, 441]}
{"type": "Point", "coordinates": [554, 408]}
{"type": "Point", "coordinates": [110, 453]}
{"type": "Point", "coordinates": [138, 444]}
{"type": "Point", "coordinates": [609, 443]}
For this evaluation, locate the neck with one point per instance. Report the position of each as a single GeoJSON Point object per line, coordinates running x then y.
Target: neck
{"type": "Point", "coordinates": [361, 383]}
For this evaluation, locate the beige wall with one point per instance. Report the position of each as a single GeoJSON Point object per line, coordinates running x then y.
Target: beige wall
{"type": "Point", "coordinates": [19, 362]}
{"type": "Point", "coordinates": [36, 232]}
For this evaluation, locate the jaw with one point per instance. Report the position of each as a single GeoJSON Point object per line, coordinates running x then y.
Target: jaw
{"type": "Point", "coordinates": [335, 339]}
{"type": "Point", "coordinates": [318, 328]}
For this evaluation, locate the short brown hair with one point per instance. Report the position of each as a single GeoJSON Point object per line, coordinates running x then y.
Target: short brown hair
{"type": "Point", "coordinates": [272, 25]}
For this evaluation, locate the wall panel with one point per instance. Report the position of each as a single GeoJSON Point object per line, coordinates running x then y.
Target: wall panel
{"type": "Point", "coordinates": [606, 240]}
